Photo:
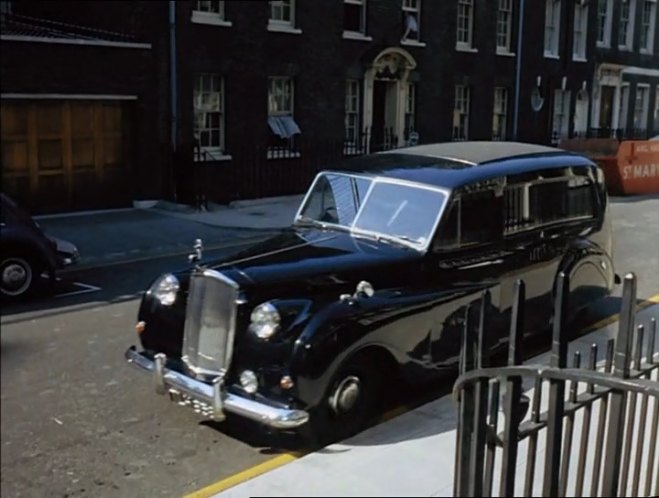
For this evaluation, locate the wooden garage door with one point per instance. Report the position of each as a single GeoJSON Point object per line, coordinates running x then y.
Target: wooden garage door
{"type": "Point", "coordinates": [66, 155]}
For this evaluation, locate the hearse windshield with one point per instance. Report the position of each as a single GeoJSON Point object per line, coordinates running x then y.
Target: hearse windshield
{"type": "Point", "coordinates": [381, 208]}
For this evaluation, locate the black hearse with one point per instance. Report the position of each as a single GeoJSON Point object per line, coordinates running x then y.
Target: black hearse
{"type": "Point", "coordinates": [370, 283]}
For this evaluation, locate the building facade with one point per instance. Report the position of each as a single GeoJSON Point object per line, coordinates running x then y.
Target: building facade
{"type": "Point", "coordinates": [240, 99]}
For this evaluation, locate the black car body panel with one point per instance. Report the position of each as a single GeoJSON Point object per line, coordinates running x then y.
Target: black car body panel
{"type": "Point", "coordinates": [504, 212]}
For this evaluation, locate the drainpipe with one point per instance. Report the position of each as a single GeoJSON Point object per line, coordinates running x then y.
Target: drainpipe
{"type": "Point", "coordinates": [518, 67]}
{"type": "Point", "coordinates": [172, 71]}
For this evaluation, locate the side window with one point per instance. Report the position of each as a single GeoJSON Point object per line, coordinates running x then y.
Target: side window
{"type": "Point", "coordinates": [472, 218]}
{"type": "Point", "coordinates": [581, 198]}
{"type": "Point", "coordinates": [562, 196]}
{"type": "Point", "coordinates": [480, 218]}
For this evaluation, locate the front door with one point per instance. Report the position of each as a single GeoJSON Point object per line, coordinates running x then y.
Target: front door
{"type": "Point", "coordinates": [379, 103]}
{"type": "Point", "coordinates": [606, 106]}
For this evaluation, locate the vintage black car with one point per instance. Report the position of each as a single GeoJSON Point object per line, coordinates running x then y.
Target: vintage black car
{"type": "Point", "coordinates": [27, 253]}
{"type": "Point", "coordinates": [370, 284]}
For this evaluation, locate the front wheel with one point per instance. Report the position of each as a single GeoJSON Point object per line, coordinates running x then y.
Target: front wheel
{"type": "Point", "coordinates": [19, 276]}
{"type": "Point", "coordinates": [350, 402]}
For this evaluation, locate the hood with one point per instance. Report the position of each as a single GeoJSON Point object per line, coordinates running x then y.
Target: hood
{"type": "Point", "coordinates": [320, 257]}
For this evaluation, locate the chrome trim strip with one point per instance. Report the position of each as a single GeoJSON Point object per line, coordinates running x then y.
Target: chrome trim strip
{"type": "Point", "coordinates": [213, 395]}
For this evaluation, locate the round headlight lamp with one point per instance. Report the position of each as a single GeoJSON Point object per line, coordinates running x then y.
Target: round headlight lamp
{"type": "Point", "coordinates": [165, 289]}
{"type": "Point", "coordinates": [265, 320]}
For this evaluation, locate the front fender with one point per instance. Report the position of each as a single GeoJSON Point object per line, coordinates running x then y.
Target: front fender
{"type": "Point", "coordinates": [396, 322]}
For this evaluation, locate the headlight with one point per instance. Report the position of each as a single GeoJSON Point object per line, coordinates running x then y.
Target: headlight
{"type": "Point", "coordinates": [265, 320]}
{"type": "Point", "coordinates": [165, 289]}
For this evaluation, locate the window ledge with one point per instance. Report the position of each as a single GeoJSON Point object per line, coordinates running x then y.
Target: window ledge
{"type": "Point", "coordinates": [412, 43]}
{"type": "Point", "coordinates": [579, 58]}
{"type": "Point", "coordinates": [280, 28]}
{"type": "Point", "coordinates": [466, 48]}
{"type": "Point", "coordinates": [207, 158]}
{"type": "Point", "coordinates": [354, 35]}
{"type": "Point", "coordinates": [625, 48]}
{"type": "Point", "coordinates": [645, 51]}
{"type": "Point", "coordinates": [210, 19]}
{"type": "Point", "coordinates": [604, 44]}
{"type": "Point", "coordinates": [279, 154]}
{"type": "Point", "coordinates": [549, 55]}
{"type": "Point", "coordinates": [505, 53]}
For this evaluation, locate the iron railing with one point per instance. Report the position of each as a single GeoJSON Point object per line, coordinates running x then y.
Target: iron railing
{"type": "Point", "coordinates": [611, 458]}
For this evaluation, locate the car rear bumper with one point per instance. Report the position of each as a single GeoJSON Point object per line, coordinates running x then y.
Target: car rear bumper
{"type": "Point", "coordinates": [213, 399]}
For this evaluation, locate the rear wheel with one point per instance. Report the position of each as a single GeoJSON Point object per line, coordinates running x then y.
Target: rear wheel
{"type": "Point", "coordinates": [19, 276]}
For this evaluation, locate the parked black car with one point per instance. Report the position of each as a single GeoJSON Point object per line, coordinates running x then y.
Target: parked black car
{"type": "Point", "coordinates": [27, 253]}
{"type": "Point", "coordinates": [371, 282]}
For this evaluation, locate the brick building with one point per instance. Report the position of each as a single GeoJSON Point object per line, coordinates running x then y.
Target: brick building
{"type": "Point", "coordinates": [265, 93]}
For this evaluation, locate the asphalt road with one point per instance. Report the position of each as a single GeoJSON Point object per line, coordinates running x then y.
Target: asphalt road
{"type": "Point", "coordinates": [77, 421]}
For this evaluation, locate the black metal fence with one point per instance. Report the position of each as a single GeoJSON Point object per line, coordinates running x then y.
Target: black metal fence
{"type": "Point", "coordinates": [614, 408]}
{"type": "Point", "coordinates": [619, 133]}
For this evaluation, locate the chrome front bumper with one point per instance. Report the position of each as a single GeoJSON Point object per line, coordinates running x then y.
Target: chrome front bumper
{"type": "Point", "coordinates": [213, 396]}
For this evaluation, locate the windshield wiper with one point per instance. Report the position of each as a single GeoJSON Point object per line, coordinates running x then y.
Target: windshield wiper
{"type": "Point", "coordinates": [400, 240]}
{"type": "Point", "coordinates": [305, 221]}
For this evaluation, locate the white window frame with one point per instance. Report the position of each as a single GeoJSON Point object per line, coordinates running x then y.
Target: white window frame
{"type": "Point", "coordinates": [412, 7]}
{"type": "Point", "coordinates": [209, 87]}
{"type": "Point", "coordinates": [629, 24]}
{"type": "Point", "coordinates": [461, 105]}
{"type": "Point", "coordinates": [552, 33]}
{"type": "Point", "coordinates": [352, 120]}
{"type": "Point", "coordinates": [648, 28]}
{"type": "Point", "coordinates": [504, 27]}
{"type": "Point", "coordinates": [282, 25]}
{"type": "Point", "coordinates": [560, 122]}
{"type": "Point", "coordinates": [604, 29]}
{"type": "Point", "coordinates": [464, 37]}
{"type": "Point", "coordinates": [580, 117]}
{"type": "Point", "coordinates": [201, 15]}
{"type": "Point", "coordinates": [500, 114]}
{"type": "Point", "coordinates": [644, 107]}
{"type": "Point", "coordinates": [361, 34]}
{"type": "Point", "coordinates": [282, 107]}
{"type": "Point", "coordinates": [580, 31]}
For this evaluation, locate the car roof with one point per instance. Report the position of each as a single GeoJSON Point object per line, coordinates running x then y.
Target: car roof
{"type": "Point", "coordinates": [454, 164]}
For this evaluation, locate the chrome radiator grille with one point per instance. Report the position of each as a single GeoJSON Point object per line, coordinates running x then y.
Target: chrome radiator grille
{"type": "Point", "coordinates": [210, 323]}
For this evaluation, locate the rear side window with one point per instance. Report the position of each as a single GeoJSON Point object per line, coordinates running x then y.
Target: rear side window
{"type": "Point", "coordinates": [535, 202]}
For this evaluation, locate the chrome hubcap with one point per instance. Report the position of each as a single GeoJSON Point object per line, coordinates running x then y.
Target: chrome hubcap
{"type": "Point", "coordinates": [16, 276]}
{"type": "Point", "coordinates": [345, 396]}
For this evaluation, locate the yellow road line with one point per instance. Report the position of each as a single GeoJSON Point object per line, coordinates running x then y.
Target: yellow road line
{"type": "Point", "coordinates": [614, 318]}
{"type": "Point", "coordinates": [245, 475]}
{"type": "Point", "coordinates": [286, 458]}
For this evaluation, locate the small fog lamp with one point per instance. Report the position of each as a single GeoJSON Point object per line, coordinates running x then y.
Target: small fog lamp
{"type": "Point", "coordinates": [248, 381]}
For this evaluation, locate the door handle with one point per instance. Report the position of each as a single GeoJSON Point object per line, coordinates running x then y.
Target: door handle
{"type": "Point", "coordinates": [481, 264]}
